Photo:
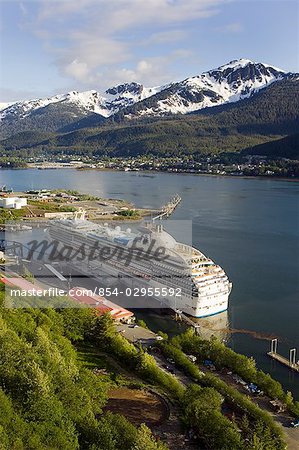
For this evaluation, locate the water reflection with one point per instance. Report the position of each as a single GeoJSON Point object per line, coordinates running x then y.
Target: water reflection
{"type": "Point", "coordinates": [217, 325]}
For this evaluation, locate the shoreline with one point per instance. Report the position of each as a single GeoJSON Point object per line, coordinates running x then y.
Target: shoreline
{"type": "Point", "coordinates": [43, 205]}
{"type": "Point", "coordinates": [245, 177]}
{"type": "Point", "coordinates": [250, 334]}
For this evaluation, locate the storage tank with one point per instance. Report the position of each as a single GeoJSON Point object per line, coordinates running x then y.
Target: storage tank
{"type": "Point", "coordinates": [13, 202]}
{"type": "Point", "coordinates": [8, 202]}
{"type": "Point", "coordinates": [20, 202]}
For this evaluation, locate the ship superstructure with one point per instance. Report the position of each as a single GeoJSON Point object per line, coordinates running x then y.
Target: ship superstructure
{"type": "Point", "coordinates": [184, 278]}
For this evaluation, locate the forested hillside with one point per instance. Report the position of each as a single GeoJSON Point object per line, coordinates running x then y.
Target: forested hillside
{"type": "Point", "coordinates": [268, 115]}
{"type": "Point", "coordinates": [50, 118]}
{"type": "Point", "coordinates": [274, 110]}
{"type": "Point", "coordinates": [48, 399]}
{"type": "Point", "coordinates": [288, 146]}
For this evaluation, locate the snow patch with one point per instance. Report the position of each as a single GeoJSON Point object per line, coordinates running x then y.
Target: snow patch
{"type": "Point", "coordinates": [226, 84]}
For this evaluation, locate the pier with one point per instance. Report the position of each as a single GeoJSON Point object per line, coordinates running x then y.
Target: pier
{"type": "Point", "coordinates": [24, 225]}
{"type": "Point", "coordinates": [180, 316]}
{"type": "Point", "coordinates": [168, 209]}
{"type": "Point", "coordinates": [291, 362]}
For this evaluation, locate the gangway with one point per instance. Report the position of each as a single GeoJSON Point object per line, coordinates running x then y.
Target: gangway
{"type": "Point", "coordinates": [55, 272]}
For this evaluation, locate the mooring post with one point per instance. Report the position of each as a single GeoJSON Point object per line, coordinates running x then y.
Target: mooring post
{"type": "Point", "coordinates": [274, 345]}
{"type": "Point", "coordinates": [292, 356]}
{"type": "Point", "coordinates": [197, 329]}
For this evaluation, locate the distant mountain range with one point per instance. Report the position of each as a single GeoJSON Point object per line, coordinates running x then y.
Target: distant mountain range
{"type": "Point", "coordinates": [249, 102]}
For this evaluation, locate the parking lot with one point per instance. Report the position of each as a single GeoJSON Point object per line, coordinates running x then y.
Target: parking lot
{"type": "Point", "coordinates": [135, 333]}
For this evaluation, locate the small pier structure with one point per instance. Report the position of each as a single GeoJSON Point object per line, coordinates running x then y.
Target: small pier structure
{"type": "Point", "coordinates": [181, 317]}
{"type": "Point", "coordinates": [168, 209]}
{"type": "Point", "coordinates": [289, 362]}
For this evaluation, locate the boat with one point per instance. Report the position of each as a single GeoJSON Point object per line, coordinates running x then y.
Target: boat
{"type": "Point", "coordinates": [183, 279]}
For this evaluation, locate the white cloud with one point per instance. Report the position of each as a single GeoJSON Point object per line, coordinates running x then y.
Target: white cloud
{"type": "Point", "coordinates": [92, 39]}
{"type": "Point", "coordinates": [121, 14]}
{"type": "Point", "coordinates": [76, 69]}
{"type": "Point", "coordinates": [150, 71]}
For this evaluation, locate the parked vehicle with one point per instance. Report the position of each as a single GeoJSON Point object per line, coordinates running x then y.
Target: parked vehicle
{"type": "Point", "coordinates": [254, 389]}
{"type": "Point", "coordinates": [170, 360]}
{"type": "Point", "coordinates": [209, 364]}
{"type": "Point", "coordinates": [239, 380]}
{"type": "Point", "coordinates": [295, 423]}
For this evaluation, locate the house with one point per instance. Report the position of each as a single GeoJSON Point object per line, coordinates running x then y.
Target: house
{"type": "Point", "coordinates": [100, 304]}
{"type": "Point", "coordinates": [13, 202]}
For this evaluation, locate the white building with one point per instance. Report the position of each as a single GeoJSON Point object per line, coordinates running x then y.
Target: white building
{"type": "Point", "coordinates": [13, 202]}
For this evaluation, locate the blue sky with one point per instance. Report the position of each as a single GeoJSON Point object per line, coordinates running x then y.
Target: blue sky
{"type": "Point", "coordinates": [52, 46]}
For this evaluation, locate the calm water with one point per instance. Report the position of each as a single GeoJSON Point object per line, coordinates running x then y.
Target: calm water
{"type": "Point", "coordinates": [249, 226]}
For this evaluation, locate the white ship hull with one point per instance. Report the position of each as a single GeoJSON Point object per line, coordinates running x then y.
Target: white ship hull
{"type": "Point", "coordinates": [198, 307]}
{"type": "Point", "coordinates": [217, 305]}
{"type": "Point", "coordinates": [204, 286]}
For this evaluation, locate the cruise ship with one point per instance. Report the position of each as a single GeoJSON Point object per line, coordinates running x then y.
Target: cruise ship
{"type": "Point", "coordinates": [181, 277]}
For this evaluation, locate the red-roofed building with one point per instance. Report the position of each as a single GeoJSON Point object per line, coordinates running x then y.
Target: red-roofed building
{"type": "Point", "coordinates": [101, 304]}
{"type": "Point", "coordinates": [19, 282]}
{"type": "Point", "coordinates": [81, 295]}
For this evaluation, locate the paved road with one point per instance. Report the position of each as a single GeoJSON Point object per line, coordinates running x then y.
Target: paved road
{"type": "Point", "coordinates": [163, 363]}
{"type": "Point", "coordinates": [283, 419]}
{"type": "Point", "coordinates": [147, 337]}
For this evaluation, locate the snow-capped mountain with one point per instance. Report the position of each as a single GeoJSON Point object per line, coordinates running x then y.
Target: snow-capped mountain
{"type": "Point", "coordinates": [113, 99]}
{"type": "Point", "coordinates": [127, 94]}
{"type": "Point", "coordinates": [5, 105]}
{"type": "Point", "coordinates": [89, 101]}
{"type": "Point", "coordinates": [231, 82]}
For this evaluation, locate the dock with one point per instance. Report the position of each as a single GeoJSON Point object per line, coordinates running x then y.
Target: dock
{"type": "Point", "coordinates": [180, 316]}
{"type": "Point", "coordinates": [283, 360]}
{"type": "Point", "coordinates": [168, 209]}
{"type": "Point", "coordinates": [291, 362]}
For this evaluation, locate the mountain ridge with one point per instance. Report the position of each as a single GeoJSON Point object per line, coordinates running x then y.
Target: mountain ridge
{"type": "Point", "coordinates": [226, 84]}
{"type": "Point", "coordinates": [269, 115]}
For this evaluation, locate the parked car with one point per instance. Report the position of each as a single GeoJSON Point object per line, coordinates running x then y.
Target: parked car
{"type": "Point", "coordinates": [209, 364]}
{"type": "Point", "coordinates": [295, 423]}
{"type": "Point", "coordinates": [170, 360]}
{"type": "Point", "coordinates": [239, 380]}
